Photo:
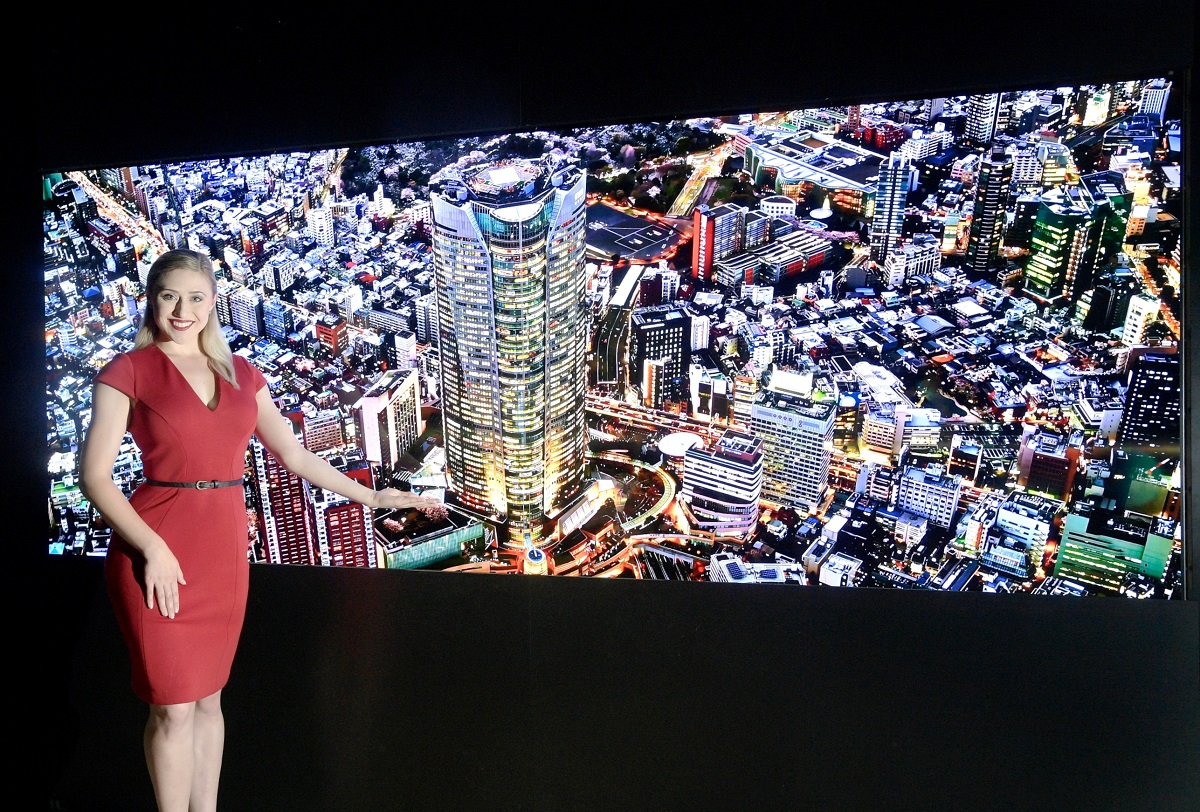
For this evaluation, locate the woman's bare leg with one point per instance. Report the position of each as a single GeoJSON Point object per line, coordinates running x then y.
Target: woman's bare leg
{"type": "Point", "coordinates": [169, 743]}
{"type": "Point", "coordinates": [208, 738]}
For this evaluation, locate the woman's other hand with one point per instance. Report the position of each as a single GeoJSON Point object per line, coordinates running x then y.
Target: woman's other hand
{"type": "Point", "coordinates": [163, 577]}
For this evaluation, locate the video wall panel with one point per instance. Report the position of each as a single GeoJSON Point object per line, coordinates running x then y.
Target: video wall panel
{"type": "Point", "coordinates": [912, 344]}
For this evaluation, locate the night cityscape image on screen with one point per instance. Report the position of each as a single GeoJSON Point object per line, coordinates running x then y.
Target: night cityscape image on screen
{"type": "Point", "coordinates": [920, 344]}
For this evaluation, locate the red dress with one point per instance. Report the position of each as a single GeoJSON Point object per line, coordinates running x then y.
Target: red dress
{"type": "Point", "coordinates": [187, 657]}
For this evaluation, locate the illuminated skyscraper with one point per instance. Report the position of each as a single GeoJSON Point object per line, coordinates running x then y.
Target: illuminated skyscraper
{"type": "Point", "coordinates": [987, 220]}
{"type": "Point", "coordinates": [1060, 246]}
{"type": "Point", "coordinates": [1153, 406]}
{"type": "Point", "coordinates": [982, 110]}
{"type": "Point", "coordinates": [508, 253]}
{"type": "Point", "coordinates": [896, 179]}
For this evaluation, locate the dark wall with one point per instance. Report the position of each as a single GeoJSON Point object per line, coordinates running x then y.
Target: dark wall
{"type": "Point", "coordinates": [417, 690]}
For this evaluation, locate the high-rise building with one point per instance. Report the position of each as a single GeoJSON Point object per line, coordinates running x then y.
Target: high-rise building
{"type": "Point", "coordinates": [332, 333]}
{"type": "Point", "coordinates": [982, 112]}
{"type": "Point", "coordinates": [717, 233]}
{"type": "Point", "coordinates": [1153, 406]}
{"type": "Point", "coordinates": [794, 416]}
{"type": "Point", "coordinates": [278, 319]}
{"type": "Point", "coordinates": [345, 535]}
{"type": "Point", "coordinates": [987, 220]}
{"type": "Point", "coordinates": [722, 484]}
{"type": "Point", "coordinates": [320, 225]}
{"type": "Point", "coordinates": [1139, 313]}
{"type": "Point", "coordinates": [896, 180]}
{"type": "Point", "coordinates": [388, 416]}
{"type": "Point", "coordinates": [662, 333]}
{"type": "Point", "coordinates": [246, 311]}
{"type": "Point", "coordinates": [323, 430]}
{"type": "Point", "coordinates": [509, 257]}
{"type": "Point", "coordinates": [1058, 165]}
{"type": "Point", "coordinates": [285, 513]}
{"type": "Point", "coordinates": [1061, 244]}
{"type": "Point", "coordinates": [1154, 98]}
{"type": "Point", "coordinates": [427, 318]}
{"type": "Point", "coordinates": [1111, 204]}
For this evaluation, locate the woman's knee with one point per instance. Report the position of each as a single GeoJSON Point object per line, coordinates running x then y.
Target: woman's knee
{"type": "Point", "coordinates": [210, 704]}
{"type": "Point", "coordinates": [172, 716]}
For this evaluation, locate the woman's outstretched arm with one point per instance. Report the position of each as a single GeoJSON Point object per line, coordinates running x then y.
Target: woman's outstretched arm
{"type": "Point", "coordinates": [276, 434]}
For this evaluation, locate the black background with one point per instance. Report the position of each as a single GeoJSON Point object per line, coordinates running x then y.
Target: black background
{"type": "Point", "coordinates": [419, 690]}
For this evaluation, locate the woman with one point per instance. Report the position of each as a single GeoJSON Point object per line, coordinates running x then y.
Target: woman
{"type": "Point", "coordinates": [177, 568]}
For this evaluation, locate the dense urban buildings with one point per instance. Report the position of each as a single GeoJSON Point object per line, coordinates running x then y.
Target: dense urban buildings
{"type": "Point", "coordinates": [915, 344]}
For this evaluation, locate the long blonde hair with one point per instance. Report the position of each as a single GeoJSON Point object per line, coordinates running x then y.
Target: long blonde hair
{"type": "Point", "coordinates": [212, 342]}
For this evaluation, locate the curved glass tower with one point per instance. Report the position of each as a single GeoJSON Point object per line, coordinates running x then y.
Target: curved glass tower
{"type": "Point", "coordinates": [508, 248]}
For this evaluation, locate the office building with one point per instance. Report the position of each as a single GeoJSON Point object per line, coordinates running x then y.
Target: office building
{"type": "Point", "coordinates": [988, 217]}
{"type": "Point", "coordinates": [388, 417]}
{"type": "Point", "coordinates": [322, 430]}
{"type": "Point", "coordinates": [660, 334]}
{"type": "Point", "coordinates": [508, 253]}
{"type": "Point", "coordinates": [1154, 98]}
{"type": "Point", "coordinates": [1048, 462]}
{"type": "Point", "coordinates": [931, 493]}
{"type": "Point", "coordinates": [1140, 312]}
{"type": "Point", "coordinates": [897, 177]}
{"type": "Point", "coordinates": [1151, 420]}
{"type": "Point", "coordinates": [982, 112]}
{"type": "Point", "coordinates": [1061, 244]}
{"type": "Point", "coordinates": [286, 526]}
{"type": "Point", "coordinates": [1100, 548]}
{"type": "Point", "coordinates": [345, 535]}
{"type": "Point", "coordinates": [717, 233]}
{"type": "Point", "coordinates": [888, 427]}
{"type": "Point", "coordinates": [246, 311]}
{"type": "Point", "coordinates": [722, 484]}
{"type": "Point", "coordinates": [794, 416]}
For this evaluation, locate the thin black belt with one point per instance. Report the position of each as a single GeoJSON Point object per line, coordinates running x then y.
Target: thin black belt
{"type": "Point", "coordinates": [200, 485]}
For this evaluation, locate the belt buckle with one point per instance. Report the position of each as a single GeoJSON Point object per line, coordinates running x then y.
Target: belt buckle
{"type": "Point", "coordinates": [205, 484]}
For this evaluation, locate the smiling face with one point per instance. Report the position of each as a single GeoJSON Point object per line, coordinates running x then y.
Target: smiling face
{"type": "Point", "coordinates": [182, 305]}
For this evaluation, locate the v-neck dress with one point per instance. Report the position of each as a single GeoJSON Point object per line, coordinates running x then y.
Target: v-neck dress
{"type": "Point", "coordinates": [181, 439]}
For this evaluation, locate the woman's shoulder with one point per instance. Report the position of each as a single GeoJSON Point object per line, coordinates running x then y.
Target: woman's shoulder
{"type": "Point", "coordinates": [247, 371]}
{"type": "Point", "coordinates": [124, 369]}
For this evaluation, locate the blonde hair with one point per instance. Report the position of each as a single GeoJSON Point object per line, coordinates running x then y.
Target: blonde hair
{"type": "Point", "coordinates": [212, 341]}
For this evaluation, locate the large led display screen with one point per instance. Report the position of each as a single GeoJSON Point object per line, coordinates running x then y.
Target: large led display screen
{"type": "Point", "coordinates": [913, 344]}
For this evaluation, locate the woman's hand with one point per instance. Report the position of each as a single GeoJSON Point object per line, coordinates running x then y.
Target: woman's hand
{"type": "Point", "coordinates": [400, 500]}
{"type": "Point", "coordinates": [163, 577]}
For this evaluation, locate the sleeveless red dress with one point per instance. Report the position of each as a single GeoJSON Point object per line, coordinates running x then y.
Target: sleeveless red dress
{"type": "Point", "coordinates": [187, 657]}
